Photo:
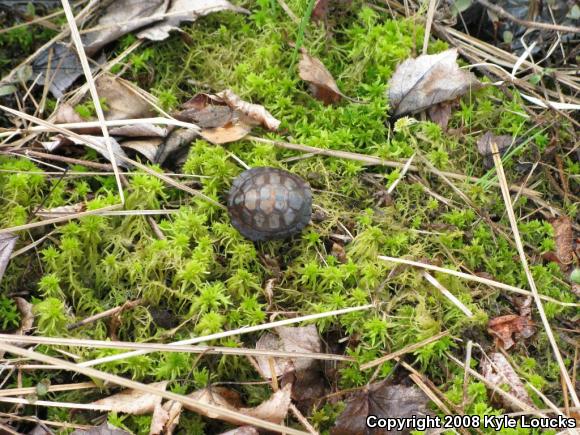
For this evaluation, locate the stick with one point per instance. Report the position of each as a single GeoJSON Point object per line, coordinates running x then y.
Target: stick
{"type": "Point", "coordinates": [529, 276]}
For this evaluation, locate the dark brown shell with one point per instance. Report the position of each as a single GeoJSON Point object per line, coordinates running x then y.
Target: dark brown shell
{"type": "Point", "coordinates": [269, 203]}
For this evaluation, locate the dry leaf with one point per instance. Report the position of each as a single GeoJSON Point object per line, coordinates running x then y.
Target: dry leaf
{"type": "Point", "coordinates": [498, 371]}
{"type": "Point", "coordinates": [380, 399]}
{"type": "Point", "coordinates": [229, 133]}
{"type": "Point", "coordinates": [158, 420]}
{"type": "Point", "coordinates": [564, 238]}
{"type": "Point", "coordinates": [505, 327]}
{"type": "Point", "coordinates": [26, 315]}
{"type": "Point", "coordinates": [96, 142]}
{"type": "Point", "coordinates": [173, 409]}
{"type": "Point", "coordinates": [134, 401]}
{"type": "Point", "coordinates": [420, 83]}
{"type": "Point", "coordinates": [146, 146]}
{"type": "Point", "coordinates": [289, 339]}
{"type": "Point", "coordinates": [242, 430]}
{"type": "Point", "coordinates": [207, 111]}
{"type": "Point", "coordinates": [186, 11]}
{"type": "Point", "coordinates": [176, 145]}
{"type": "Point", "coordinates": [139, 130]}
{"type": "Point", "coordinates": [254, 112]}
{"type": "Point", "coordinates": [274, 409]}
{"type": "Point", "coordinates": [50, 213]}
{"type": "Point", "coordinates": [104, 429]}
{"type": "Point", "coordinates": [441, 113]}
{"type": "Point", "coordinates": [484, 146]}
{"type": "Point", "coordinates": [7, 243]}
{"type": "Point", "coordinates": [322, 84]}
{"type": "Point", "coordinates": [120, 99]}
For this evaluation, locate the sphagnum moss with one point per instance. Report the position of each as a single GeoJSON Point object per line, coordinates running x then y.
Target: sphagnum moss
{"type": "Point", "coordinates": [206, 278]}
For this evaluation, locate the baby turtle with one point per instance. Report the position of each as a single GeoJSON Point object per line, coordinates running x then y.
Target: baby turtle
{"type": "Point", "coordinates": [268, 203]}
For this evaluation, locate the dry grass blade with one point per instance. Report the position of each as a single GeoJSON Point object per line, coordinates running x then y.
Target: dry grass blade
{"type": "Point", "coordinates": [196, 405]}
{"type": "Point", "coordinates": [240, 331]}
{"type": "Point", "coordinates": [486, 281]}
{"type": "Point", "coordinates": [7, 392]}
{"type": "Point", "coordinates": [372, 160]}
{"type": "Point", "coordinates": [531, 281]}
{"type": "Point", "coordinates": [76, 37]}
{"type": "Point", "coordinates": [448, 294]}
{"type": "Point", "coordinates": [154, 347]}
{"type": "Point", "coordinates": [411, 348]}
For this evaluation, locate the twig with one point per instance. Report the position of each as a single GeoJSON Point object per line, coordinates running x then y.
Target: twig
{"type": "Point", "coordinates": [531, 24]}
{"type": "Point", "coordinates": [411, 348]}
{"type": "Point", "coordinates": [198, 406]}
{"type": "Point", "coordinates": [475, 278]}
{"type": "Point", "coordinates": [240, 331]}
{"type": "Point", "coordinates": [448, 294]}
{"type": "Point", "coordinates": [430, 16]}
{"type": "Point", "coordinates": [127, 305]}
{"type": "Point", "coordinates": [531, 281]}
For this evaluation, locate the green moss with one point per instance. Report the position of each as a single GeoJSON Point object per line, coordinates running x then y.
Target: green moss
{"type": "Point", "coordinates": [207, 278]}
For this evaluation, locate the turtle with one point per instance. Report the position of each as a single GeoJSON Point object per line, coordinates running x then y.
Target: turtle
{"type": "Point", "coordinates": [267, 203]}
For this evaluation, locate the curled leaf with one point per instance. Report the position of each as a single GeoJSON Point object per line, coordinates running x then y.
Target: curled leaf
{"type": "Point", "coordinates": [498, 371]}
{"type": "Point", "coordinates": [380, 399]}
{"type": "Point", "coordinates": [134, 401]}
{"type": "Point", "coordinates": [322, 85]}
{"type": "Point", "coordinates": [254, 112]}
{"type": "Point", "coordinates": [508, 329]}
{"type": "Point", "coordinates": [564, 238]}
{"type": "Point", "coordinates": [7, 243]}
{"type": "Point", "coordinates": [420, 83]}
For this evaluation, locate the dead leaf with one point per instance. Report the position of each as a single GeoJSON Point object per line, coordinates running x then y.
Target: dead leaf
{"type": "Point", "coordinates": [94, 142]}
{"type": "Point", "coordinates": [503, 328]}
{"type": "Point", "coordinates": [173, 410]}
{"type": "Point", "coordinates": [289, 339]}
{"type": "Point", "coordinates": [382, 400]}
{"type": "Point", "coordinates": [26, 315]}
{"type": "Point", "coordinates": [64, 69]}
{"type": "Point", "coordinates": [145, 146]}
{"type": "Point", "coordinates": [139, 130]}
{"type": "Point", "coordinates": [207, 111]}
{"type": "Point", "coordinates": [7, 243]}
{"type": "Point", "coordinates": [484, 146]}
{"type": "Point", "coordinates": [104, 429]}
{"type": "Point", "coordinates": [564, 238]}
{"type": "Point", "coordinates": [158, 420]}
{"type": "Point", "coordinates": [498, 371]}
{"type": "Point", "coordinates": [186, 11]}
{"type": "Point", "coordinates": [50, 213]}
{"type": "Point", "coordinates": [134, 401]}
{"type": "Point", "coordinates": [274, 409]}
{"type": "Point", "coordinates": [176, 144]}
{"type": "Point", "coordinates": [242, 430]}
{"type": "Point", "coordinates": [120, 100]}
{"type": "Point", "coordinates": [420, 83]}
{"type": "Point", "coordinates": [322, 84]}
{"type": "Point", "coordinates": [254, 112]}
{"type": "Point", "coordinates": [227, 134]}
{"type": "Point", "coordinates": [320, 10]}
{"type": "Point", "coordinates": [325, 9]}
{"type": "Point", "coordinates": [441, 113]}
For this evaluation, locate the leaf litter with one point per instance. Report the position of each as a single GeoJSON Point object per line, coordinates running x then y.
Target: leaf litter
{"type": "Point", "coordinates": [381, 399]}
{"type": "Point", "coordinates": [7, 244]}
{"type": "Point", "coordinates": [155, 18]}
{"type": "Point", "coordinates": [498, 371]}
{"type": "Point", "coordinates": [427, 80]}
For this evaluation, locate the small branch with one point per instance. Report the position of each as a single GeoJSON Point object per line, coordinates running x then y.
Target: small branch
{"type": "Point", "coordinates": [126, 306]}
{"type": "Point", "coordinates": [530, 24]}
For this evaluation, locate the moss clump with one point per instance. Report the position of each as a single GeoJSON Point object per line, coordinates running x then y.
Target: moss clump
{"type": "Point", "coordinates": [206, 278]}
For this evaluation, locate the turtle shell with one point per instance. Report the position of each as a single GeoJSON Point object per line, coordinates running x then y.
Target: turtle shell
{"type": "Point", "coordinates": [268, 203]}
